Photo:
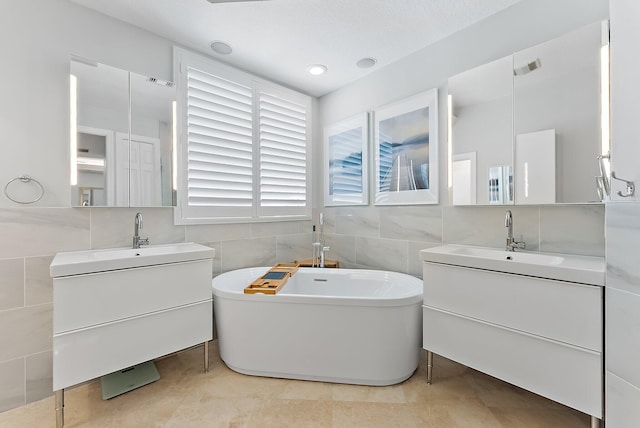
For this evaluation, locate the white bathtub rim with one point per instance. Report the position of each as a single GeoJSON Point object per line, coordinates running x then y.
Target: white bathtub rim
{"type": "Point", "coordinates": [311, 299]}
{"type": "Point", "coordinates": [283, 297]}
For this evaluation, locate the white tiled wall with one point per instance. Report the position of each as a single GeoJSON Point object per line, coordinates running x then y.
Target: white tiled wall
{"type": "Point", "coordinates": [623, 344]}
{"type": "Point", "coordinates": [485, 226]}
{"type": "Point", "coordinates": [622, 317]}
{"type": "Point", "coordinates": [387, 238]}
{"type": "Point", "coordinates": [622, 294]}
{"type": "Point", "coordinates": [622, 398]}
{"type": "Point", "coordinates": [391, 237]}
{"type": "Point", "coordinates": [572, 230]}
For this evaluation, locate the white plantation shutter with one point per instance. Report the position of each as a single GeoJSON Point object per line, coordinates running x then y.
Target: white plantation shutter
{"type": "Point", "coordinates": [283, 154]}
{"type": "Point", "coordinates": [244, 153]}
{"type": "Point", "coordinates": [219, 153]}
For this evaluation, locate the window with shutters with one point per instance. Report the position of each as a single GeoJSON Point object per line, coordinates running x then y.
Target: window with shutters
{"type": "Point", "coordinates": [244, 150]}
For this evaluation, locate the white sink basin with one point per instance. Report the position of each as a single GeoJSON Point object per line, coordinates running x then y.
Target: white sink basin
{"type": "Point", "coordinates": [80, 262]}
{"type": "Point", "coordinates": [564, 267]}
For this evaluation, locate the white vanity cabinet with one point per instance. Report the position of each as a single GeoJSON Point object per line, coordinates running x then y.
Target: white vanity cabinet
{"type": "Point", "coordinates": [540, 334]}
{"type": "Point", "coordinates": [112, 312]}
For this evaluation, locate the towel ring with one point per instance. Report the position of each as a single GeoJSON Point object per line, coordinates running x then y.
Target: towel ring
{"type": "Point", "coordinates": [24, 179]}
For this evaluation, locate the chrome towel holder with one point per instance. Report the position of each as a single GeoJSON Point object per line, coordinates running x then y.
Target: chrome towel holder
{"type": "Point", "coordinates": [24, 179]}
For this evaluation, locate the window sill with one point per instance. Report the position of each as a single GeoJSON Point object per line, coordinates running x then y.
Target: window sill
{"type": "Point", "coordinates": [179, 221]}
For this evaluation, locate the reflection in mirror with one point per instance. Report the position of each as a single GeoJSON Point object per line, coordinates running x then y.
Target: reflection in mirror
{"type": "Point", "coordinates": [482, 100]}
{"type": "Point", "coordinates": [535, 159]}
{"type": "Point", "coordinates": [102, 100]}
{"type": "Point", "coordinates": [501, 185]}
{"type": "Point", "coordinates": [533, 124]}
{"type": "Point", "coordinates": [120, 169]}
{"type": "Point", "coordinates": [557, 119]}
{"type": "Point", "coordinates": [90, 196]}
{"type": "Point", "coordinates": [151, 141]}
{"type": "Point", "coordinates": [463, 178]}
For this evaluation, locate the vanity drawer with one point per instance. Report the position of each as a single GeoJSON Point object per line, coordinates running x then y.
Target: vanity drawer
{"type": "Point", "coordinates": [85, 300]}
{"type": "Point", "coordinates": [563, 311]}
{"type": "Point", "coordinates": [88, 353]}
{"type": "Point", "coordinates": [561, 372]}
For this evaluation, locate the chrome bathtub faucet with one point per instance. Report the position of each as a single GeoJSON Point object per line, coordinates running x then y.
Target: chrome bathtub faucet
{"type": "Point", "coordinates": [318, 246]}
{"type": "Point", "coordinates": [323, 250]}
{"type": "Point", "coordinates": [512, 244]}
{"type": "Point", "coordinates": [137, 241]}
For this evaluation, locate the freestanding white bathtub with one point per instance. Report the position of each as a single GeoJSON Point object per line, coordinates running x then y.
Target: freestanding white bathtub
{"type": "Point", "coordinates": [334, 325]}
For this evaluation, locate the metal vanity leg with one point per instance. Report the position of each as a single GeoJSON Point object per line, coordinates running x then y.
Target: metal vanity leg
{"type": "Point", "coordinates": [60, 408]}
{"type": "Point", "coordinates": [429, 367]}
{"type": "Point", "coordinates": [206, 357]}
{"type": "Point", "coordinates": [595, 422]}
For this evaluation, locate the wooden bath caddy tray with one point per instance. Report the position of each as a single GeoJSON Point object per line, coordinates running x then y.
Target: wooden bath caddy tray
{"type": "Point", "coordinates": [272, 281]}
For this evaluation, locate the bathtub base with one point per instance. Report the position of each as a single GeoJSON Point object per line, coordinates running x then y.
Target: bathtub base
{"type": "Point", "coordinates": [367, 382]}
{"type": "Point", "coordinates": [331, 343]}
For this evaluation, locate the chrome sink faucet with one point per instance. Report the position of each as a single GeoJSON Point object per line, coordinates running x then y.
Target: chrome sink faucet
{"type": "Point", "coordinates": [512, 244]}
{"type": "Point", "coordinates": [137, 241]}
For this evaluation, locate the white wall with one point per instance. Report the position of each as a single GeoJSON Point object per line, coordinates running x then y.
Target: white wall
{"type": "Point", "coordinates": [625, 94]}
{"type": "Point", "coordinates": [38, 38]}
{"type": "Point", "coordinates": [622, 294]}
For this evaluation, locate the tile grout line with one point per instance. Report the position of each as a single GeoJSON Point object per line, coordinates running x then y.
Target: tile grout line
{"type": "Point", "coordinates": [24, 377]}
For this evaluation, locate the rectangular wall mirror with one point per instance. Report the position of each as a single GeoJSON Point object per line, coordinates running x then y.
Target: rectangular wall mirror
{"type": "Point", "coordinates": [123, 123]}
{"type": "Point", "coordinates": [482, 134]}
{"type": "Point", "coordinates": [528, 128]}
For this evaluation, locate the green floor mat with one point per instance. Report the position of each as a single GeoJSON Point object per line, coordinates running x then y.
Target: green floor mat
{"type": "Point", "coordinates": [128, 379]}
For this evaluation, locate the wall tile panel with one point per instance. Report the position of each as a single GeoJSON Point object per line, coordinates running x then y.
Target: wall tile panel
{"type": "Point", "coordinates": [11, 283]}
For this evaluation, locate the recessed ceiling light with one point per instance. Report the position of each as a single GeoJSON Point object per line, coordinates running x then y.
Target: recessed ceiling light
{"type": "Point", "coordinates": [366, 62]}
{"type": "Point", "coordinates": [221, 47]}
{"type": "Point", "coordinates": [316, 69]}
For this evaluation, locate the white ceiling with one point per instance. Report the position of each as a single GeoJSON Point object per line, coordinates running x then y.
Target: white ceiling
{"type": "Point", "coordinates": [279, 39]}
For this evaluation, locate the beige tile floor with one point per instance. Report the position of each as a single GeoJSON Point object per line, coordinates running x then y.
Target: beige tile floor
{"type": "Point", "coordinates": [187, 397]}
